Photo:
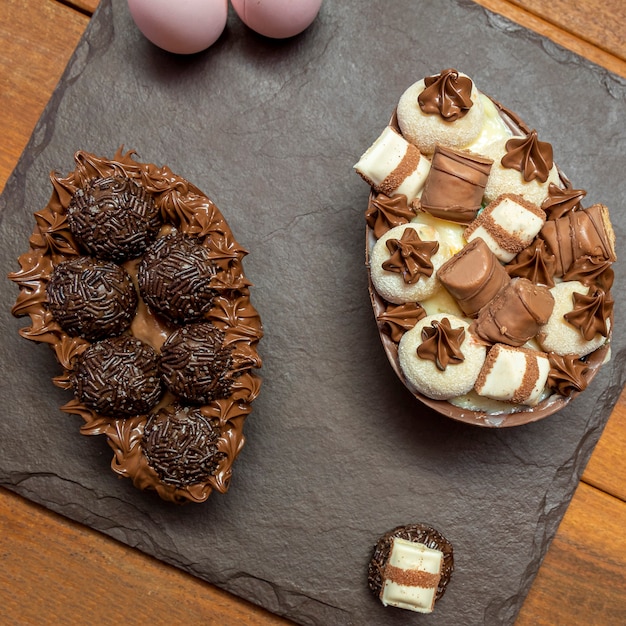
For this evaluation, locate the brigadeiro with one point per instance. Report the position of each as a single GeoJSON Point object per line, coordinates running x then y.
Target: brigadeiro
{"type": "Point", "coordinates": [118, 377]}
{"type": "Point", "coordinates": [91, 299]}
{"type": "Point", "coordinates": [195, 363]}
{"type": "Point", "coordinates": [175, 278]}
{"type": "Point", "coordinates": [181, 445]}
{"type": "Point", "coordinates": [113, 218]}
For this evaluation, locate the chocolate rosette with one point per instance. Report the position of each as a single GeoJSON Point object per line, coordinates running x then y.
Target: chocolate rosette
{"type": "Point", "coordinates": [589, 263]}
{"type": "Point", "coordinates": [163, 437]}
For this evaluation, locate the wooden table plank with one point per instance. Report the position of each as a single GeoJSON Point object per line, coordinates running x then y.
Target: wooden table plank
{"type": "Point", "coordinates": [583, 576]}
{"type": "Point", "coordinates": [54, 571]}
{"type": "Point", "coordinates": [602, 27]}
{"type": "Point", "coordinates": [37, 40]}
{"type": "Point", "coordinates": [574, 40]}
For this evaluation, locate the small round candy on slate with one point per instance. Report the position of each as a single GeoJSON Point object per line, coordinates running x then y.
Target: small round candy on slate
{"type": "Point", "coordinates": [175, 278]}
{"type": "Point", "coordinates": [118, 377]}
{"type": "Point", "coordinates": [180, 444]}
{"type": "Point", "coordinates": [113, 218]}
{"type": "Point", "coordinates": [195, 364]}
{"type": "Point", "coordinates": [411, 567]}
{"type": "Point", "coordinates": [90, 298]}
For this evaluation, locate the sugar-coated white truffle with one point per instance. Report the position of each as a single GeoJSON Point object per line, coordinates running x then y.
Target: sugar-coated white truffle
{"type": "Point", "coordinates": [391, 285]}
{"type": "Point", "coordinates": [423, 374]}
{"type": "Point", "coordinates": [503, 180]}
{"type": "Point", "coordinates": [425, 130]}
{"type": "Point", "coordinates": [558, 335]}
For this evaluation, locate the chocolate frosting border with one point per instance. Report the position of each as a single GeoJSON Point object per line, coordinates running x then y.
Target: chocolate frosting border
{"type": "Point", "coordinates": [183, 207]}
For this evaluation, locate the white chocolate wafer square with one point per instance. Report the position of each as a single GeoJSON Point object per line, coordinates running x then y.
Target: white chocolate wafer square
{"type": "Point", "coordinates": [513, 375]}
{"type": "Point", "coordinates": [391, 165]}
{"type": "Point", "coordinates": [411, 576]}
{"type": "Point", "coordinates": [507, 225]}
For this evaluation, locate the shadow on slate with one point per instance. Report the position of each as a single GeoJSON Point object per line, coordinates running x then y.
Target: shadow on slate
{"type": "Point", "coordinates": [337, 452]}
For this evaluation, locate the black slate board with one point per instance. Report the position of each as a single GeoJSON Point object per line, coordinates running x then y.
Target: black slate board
{"type": "Point", "coordinates": [338, 451]}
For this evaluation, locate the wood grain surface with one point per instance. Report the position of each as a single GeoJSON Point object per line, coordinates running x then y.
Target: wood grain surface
{"type": "Point", "coordinates": [54, 571]}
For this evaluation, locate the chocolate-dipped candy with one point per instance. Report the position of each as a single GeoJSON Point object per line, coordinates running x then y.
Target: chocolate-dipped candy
{"type": "Point", "coordinates": [473, 276]}
{"type": "Point", "coordinates": [113, 218]}
{"type": "Point", "coordinates": [440, 357]}
{"type": "Point", "coordinates": [391, 165]}
{"type": "Point", "coordinates": [507, 225]}
{"type": "Point", "coordinates": [195, 363]}
{"type": "Point", "coordinates": [91, 299]}
{"type": "Point", "coordinates": [580, 322]}
{"type": "Point", "coordinates": [411, 567]}
{"type": "Point", "coordinates": [176, 278]}
{"type": "Point", "coordinates": [455, 185]}
{"type": "Point", "coordinates": [516, 314]}
{"type": "Point", "coordinates": [181, 445]}
{"type": "Point", "coordinates": [579, 234]}
{"type": "Point", "coordinates": [118, 377]}
{"type": "Point", "coordinates": [444, 109]}
{"type": "Point", "coordinates": [516, 375]}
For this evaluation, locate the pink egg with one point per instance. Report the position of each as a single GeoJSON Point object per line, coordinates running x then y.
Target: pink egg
{"type": "Point", "coordinates": [277, 18]}
{"type": "Point", "coordinates": [180, 26]}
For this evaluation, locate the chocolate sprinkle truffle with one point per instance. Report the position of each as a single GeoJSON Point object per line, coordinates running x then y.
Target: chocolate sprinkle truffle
{"type": "Point", "coordinates": [113, 218]}
{"type": "Point", "coordinates": [91, 299]}
{"type": "Point", "coordinates": [195, 364]}
{"type": "Point", "coordinates": [180, 444]}
{"type": "Point", "coordinates": [118, 377]}
{"type": "Point", "coordinates": [175, 278]}
{"type": "Point", "coordinates": [414, 533]}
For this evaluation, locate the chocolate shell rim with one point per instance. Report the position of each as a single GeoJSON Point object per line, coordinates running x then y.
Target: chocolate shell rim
{"type": "Point", "coordinates": [186, 208]}
{"type": "Point", "coordinates": [548, 406]}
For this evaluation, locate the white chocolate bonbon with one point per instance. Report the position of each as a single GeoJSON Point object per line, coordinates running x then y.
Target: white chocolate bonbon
{"type": "Point", "coordinates": [423, 374]}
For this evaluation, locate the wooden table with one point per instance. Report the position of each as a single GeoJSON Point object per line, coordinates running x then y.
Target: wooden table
{"type": "Point", "coordinates": [54, 571]}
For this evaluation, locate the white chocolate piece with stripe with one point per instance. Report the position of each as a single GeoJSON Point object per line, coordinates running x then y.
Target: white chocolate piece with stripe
{"type": "Point", "coordinates": [391, 165]}
{"type": "Point", "coordinates": [507, 225]}
{"type": "Point", "coordinates": [411, 576]}
{"type": "Point", "coordinates": [516, 375]}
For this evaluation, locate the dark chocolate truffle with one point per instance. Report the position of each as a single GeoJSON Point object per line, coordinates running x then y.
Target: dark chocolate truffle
{"type": "Point", "coordinates": [175, 278]}
{"type": "Point", "coordinates": [180, 444]}
{"type": "Point", "coordinates": [415, 533]}
{"type": "Point", "coordinates": [195, 364]}
{"type": "Point", "coordinates": [118, 377]}
{"type": "Point", "coordinates": [113, 218]}
{"type": "Point", "coordinates": [91, 299]}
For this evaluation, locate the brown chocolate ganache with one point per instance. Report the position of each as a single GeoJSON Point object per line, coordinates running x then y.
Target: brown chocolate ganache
{"type": "Point", "coordinates": [384, 213]}
{"type": "Point", "coordinates": [411, 256]}
{"type": "Point", "coordinates": [442, 344]}
{"type": "Point", "coordinates": [591, 313]}
{"type": "Point", "coordinates": [396, 319]}
{"type": "Point", "coordinates": [534, 263]}
{"type": "Point", "coordinates": [567, 374]}
{"type": "Point", "coordinates": [561, 201]}
{"type": "Point", "coordinates": [182, 208]}
{"type": "Point", "coordinates": [447, 94]}
{"type": "Point", "coordinates": [533, 158]}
